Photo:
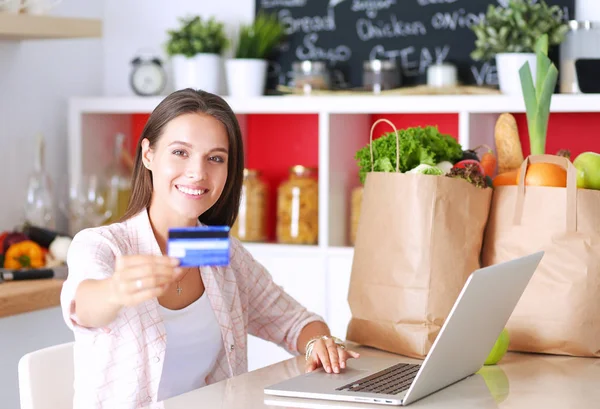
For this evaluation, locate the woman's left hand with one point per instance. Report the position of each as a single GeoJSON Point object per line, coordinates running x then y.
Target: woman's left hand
{"type": "Point", "coordinates": [329, 355]}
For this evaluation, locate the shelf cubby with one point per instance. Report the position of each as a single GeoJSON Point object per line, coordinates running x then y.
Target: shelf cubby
{"type": "Point", "coordinates": [273, 143]}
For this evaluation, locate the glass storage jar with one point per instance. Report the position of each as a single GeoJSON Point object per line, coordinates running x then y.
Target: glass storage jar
{"type": "Point", "coordinates": [298, 207]}
{"type": "Point", "coordinates": [379, 75]}
{"type": "Point", "coordinates": [250, 224]}
{"type": "Point", "coordinates": [120, 181]}
{"type": "Point", "coordinates": [311, 75]}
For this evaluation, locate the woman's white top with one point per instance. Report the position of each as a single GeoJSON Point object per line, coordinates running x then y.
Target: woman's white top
{"type": "Point", "coordinates": [193, 344]}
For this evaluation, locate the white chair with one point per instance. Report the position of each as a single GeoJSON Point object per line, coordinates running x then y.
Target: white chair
{"type": "Point", "coordinates": [46, 378]}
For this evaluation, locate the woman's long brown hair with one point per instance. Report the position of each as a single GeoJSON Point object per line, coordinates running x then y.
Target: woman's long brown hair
{"type": "Point", "coordinates": [185, 101]}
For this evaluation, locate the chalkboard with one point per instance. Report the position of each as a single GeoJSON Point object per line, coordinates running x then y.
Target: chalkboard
{"type": "Point", "coordinates": [416, 33]}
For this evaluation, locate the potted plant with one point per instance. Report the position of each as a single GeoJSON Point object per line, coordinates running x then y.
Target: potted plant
{"type": "Point", "coordinates": [195, 50]}
{"type": "Point", "coordinates": [510, 33]}
{"type": "Point", "coordinates": [247, 71]}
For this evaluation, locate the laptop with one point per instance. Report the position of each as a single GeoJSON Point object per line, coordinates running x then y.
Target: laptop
{"type": "Point", "coordinates": [475, 322]}
{"type": "Point", "coordinates": [475, 387]}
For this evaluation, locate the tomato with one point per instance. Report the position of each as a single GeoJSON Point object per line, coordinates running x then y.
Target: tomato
{"type": "Point", "coordinates": [462, 164]}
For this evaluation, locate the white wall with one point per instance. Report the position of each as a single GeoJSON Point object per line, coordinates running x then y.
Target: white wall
{"type": "Point", "coordinates": [36, 78]}
{"type": "Point", "coordinates": [152, 19]}
{"type": "Point", "coordinates": [587, 10]}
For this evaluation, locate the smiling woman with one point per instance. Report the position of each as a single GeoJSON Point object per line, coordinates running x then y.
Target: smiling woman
{"type": "Point", "coordinates": [190, 139]}
{"type": "Point", "coordinates": [189, 167]}
{"type": "Point", "coordinates": [146, 329]}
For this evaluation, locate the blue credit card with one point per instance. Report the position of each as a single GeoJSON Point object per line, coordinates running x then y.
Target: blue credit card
{"type": "Point", "coordinates": [199, 246]}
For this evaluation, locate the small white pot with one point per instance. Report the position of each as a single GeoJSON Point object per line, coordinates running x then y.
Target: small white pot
{"type": "Point", "coordinates": [202, 71]}
{"type": "Point", "coordinates": [508, 66]}
{"type": "Point", "coordinates": [246, 77]}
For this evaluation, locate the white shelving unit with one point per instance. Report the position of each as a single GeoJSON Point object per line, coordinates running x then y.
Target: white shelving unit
{"type": "Point", "coordinates": [318, 276]}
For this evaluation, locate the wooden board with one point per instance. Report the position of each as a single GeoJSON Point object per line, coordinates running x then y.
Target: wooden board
{"type": "Point", "coordinates": [34, 27]}
{"type": "Point", "coordinates": [411, 90]}
{"type": "Point", "coordinates": [17, 297]}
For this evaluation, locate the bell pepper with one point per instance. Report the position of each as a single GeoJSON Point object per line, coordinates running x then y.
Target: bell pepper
{"type": "Point", "coordinates": [12, 238]}
{"type": "Point", "coordinates": [2, 238]}
{"type": "Point", "coordinates": [25, 254]}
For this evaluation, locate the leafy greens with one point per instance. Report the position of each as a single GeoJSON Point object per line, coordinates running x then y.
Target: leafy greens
{"type": "Point", "coordinates": [417, 145]}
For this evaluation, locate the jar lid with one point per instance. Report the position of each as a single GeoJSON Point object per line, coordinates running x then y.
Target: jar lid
{"type": "Point", "coordinates": [583, 25]}
{"type": "Point", "coordinates": [251, 172]}
{"type": "Point", "coordinates": [378, 65]}
{"type": "Point", "coordinates": [300, 170]}
{"type": "Point", "coordinates": [309, 66]}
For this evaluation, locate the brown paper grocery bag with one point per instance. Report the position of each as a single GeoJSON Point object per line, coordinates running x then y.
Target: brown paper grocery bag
{"type": "Point", "coordinates": [559, 312]}
{"type": "Point", "coordinates": [418, 239]}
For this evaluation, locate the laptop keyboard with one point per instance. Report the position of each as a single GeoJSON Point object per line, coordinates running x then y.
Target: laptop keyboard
{"type": "Point", "coordinates": [392, 380]}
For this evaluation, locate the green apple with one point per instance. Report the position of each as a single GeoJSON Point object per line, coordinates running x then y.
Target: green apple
{"type": "Point", "coordinates": [496, 381]}
{"type": "Point", "coordinates": [588, 170]}
{"type": "Point", "coordinates": [499, 349]}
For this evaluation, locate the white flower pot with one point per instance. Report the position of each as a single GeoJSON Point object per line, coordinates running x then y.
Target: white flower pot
{"type": "Point", "coordinates": [202, 71]}
{"type": "Point", "coordinates": [508, 66]}
{"type": "Point", "coordinates": [246, 77]}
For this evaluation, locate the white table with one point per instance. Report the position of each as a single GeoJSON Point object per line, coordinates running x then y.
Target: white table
{"type": "Point", "coordinates": [523, 381]}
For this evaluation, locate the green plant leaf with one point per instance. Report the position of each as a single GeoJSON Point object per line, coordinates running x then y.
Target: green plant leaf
{"type": "Point", "coordinates": [517, 28]}
{"type": "Point", "coordinates": [543, 65]}
{"type": "Point", "coordinates": [537, 99]}
{"type": "Point", "coordinates": [476, 55]}
{"type": "Point", "coordinates": [258, 39]}
{"type": "Point", "coordinates": [541, 45]}
{"type": "Point", "coordinates": [503, 34]}
{"type": "Point", "coordinates": [528, 88]}
{"type": "Point", "coordinates": [195, 35]}
{"type": "Point", "coordinates": [543, 111]}
{"type": "Point", "coordinates": [529, 96]}
{"type": "Point", "coordinates": [542, 62]}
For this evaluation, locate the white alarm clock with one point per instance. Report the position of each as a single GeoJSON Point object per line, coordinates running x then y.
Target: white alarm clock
{"type": "Point", "coordinates": [148, 77]}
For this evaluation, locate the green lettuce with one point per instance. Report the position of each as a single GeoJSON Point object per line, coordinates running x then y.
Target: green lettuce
{"type": "Point", "coordinates": [425, 169]}
{"type": "Point", "coordinates": [417, 145]}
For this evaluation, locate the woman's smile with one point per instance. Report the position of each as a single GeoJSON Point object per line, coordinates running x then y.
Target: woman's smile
{"type": "Point", "coordinates": [192, 192]}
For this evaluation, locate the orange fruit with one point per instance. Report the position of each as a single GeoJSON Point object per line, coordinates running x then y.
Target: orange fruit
{"type": "Point", "coordinates": [544, 174]}
{"type": "Point", "coordinates": [505, 178]}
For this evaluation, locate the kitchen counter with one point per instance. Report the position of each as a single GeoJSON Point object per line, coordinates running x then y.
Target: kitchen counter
{"type": "Point", "coordinates": [18, 297]}
{"type": "Point", "coordinates": [518, 381]}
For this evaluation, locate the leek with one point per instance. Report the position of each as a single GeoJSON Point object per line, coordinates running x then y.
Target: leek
{"type": "Point", "coordinates": [537, 98]}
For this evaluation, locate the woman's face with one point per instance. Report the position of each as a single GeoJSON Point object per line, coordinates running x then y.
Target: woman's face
{"type": "Point", "coordinates": [189, 165]}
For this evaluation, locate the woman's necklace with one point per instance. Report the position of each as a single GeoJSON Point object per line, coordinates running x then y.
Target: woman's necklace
{"type": "Point", "coordinates": [179, 289]}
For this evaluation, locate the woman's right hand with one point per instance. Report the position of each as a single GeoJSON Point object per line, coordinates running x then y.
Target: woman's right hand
{"type": "Point", "coordinates": [138, 278]}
